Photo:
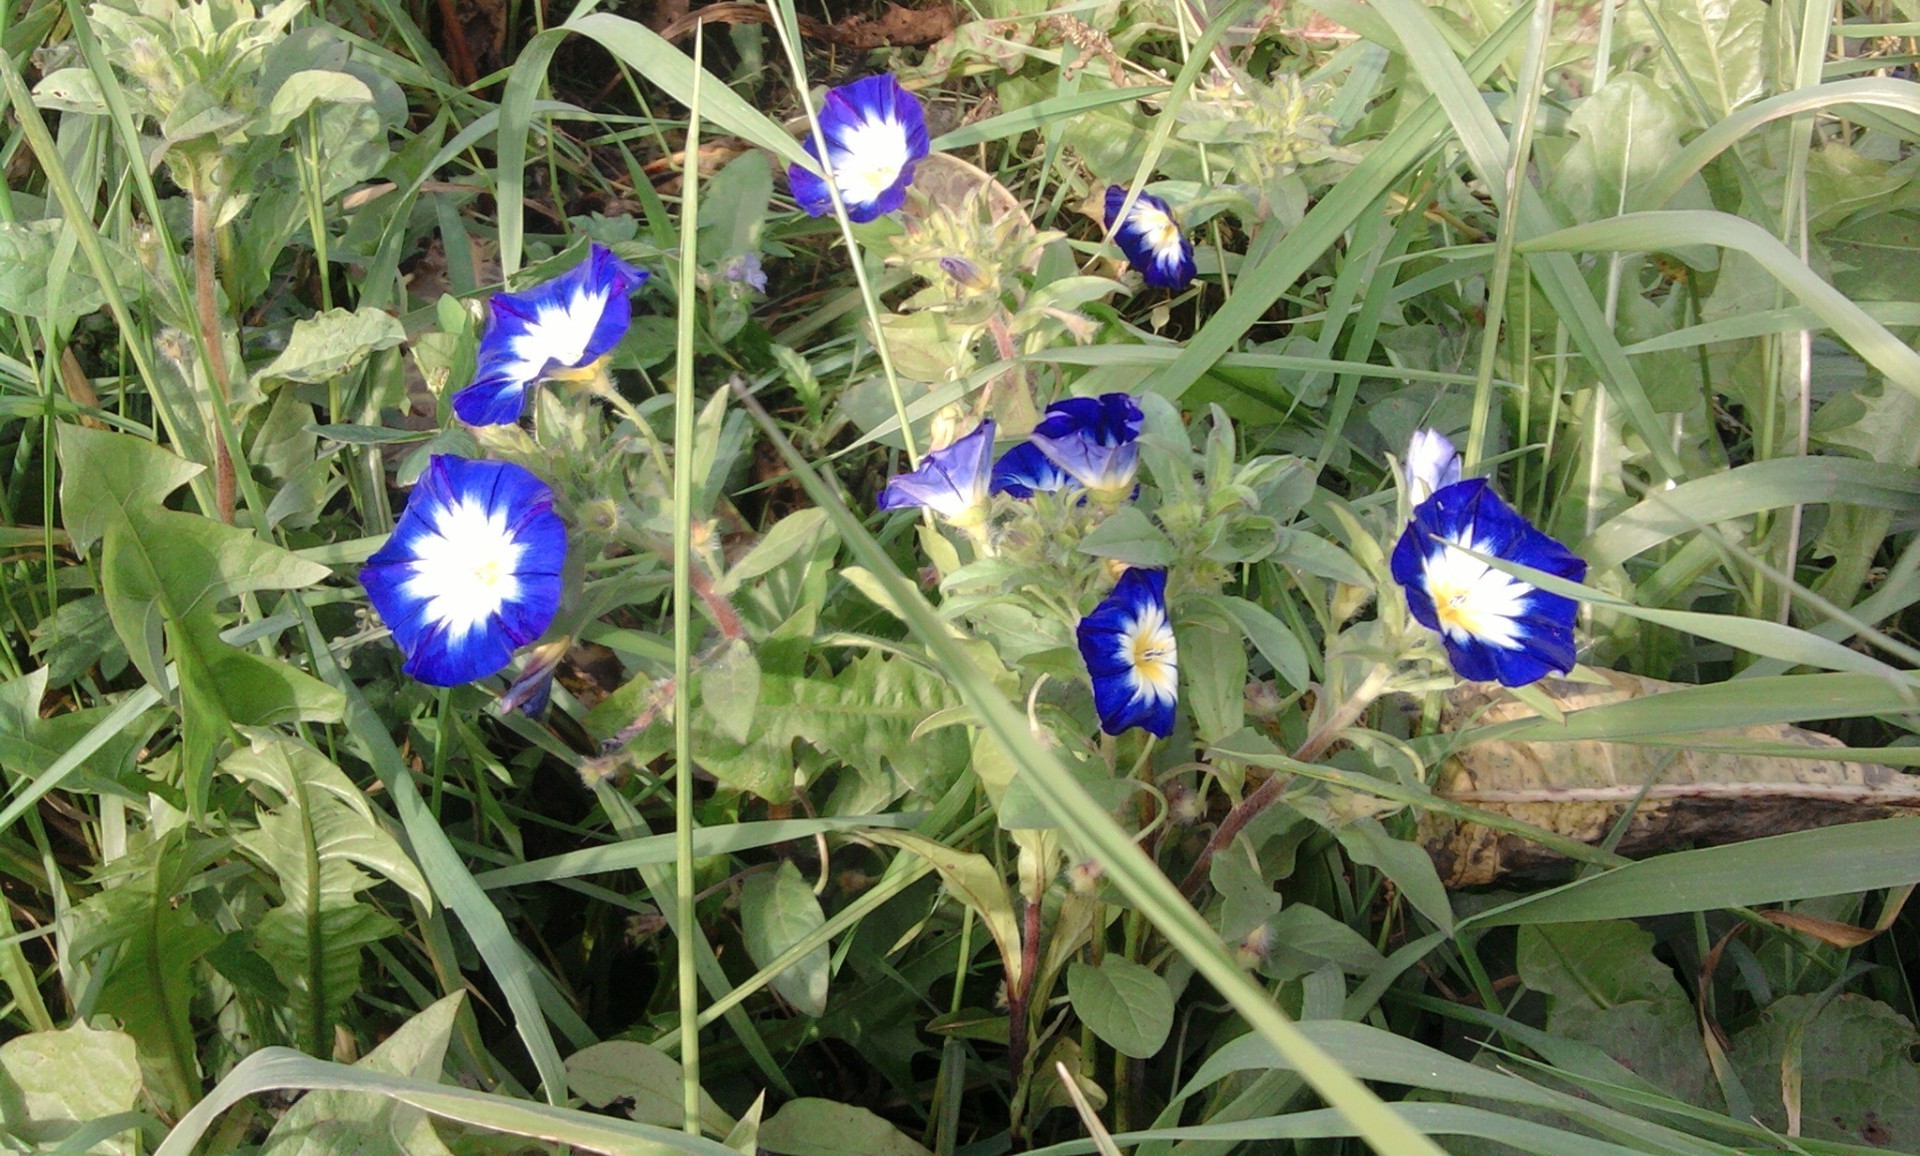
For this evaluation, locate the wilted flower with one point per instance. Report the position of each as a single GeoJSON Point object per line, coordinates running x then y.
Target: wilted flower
{"type": "Point", "coordinates": [472, 570]}
{"type": "Point", "coordinates": [952, 482]}
{"type": "Point", "coordinates": [1129, 649]}
{"type": "Point", "coordinates": [531, 691]}
{"type": "Point", "coordinates": [565, 324]}
{"type": "Point", "coordinates": [1151, 239]}
{"type": "Point", "coordinates": [1432, 464]}
{"type": "Point", "coordinates": [875, 133]}
{"type": "Point", "coordinates": [1092, 439]}
{"type": "Point", "coordinates": [1024, 471]}
{"type": "Point", "coordinates": [1495, 626]}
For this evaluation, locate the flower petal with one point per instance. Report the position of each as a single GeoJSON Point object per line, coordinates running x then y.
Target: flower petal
{"type": "Point", "coordinates": [1093, 440]}
{"type": "Point", "coordinates": [1151, 238]}
{"type": "Point", "coordinates": [1024, 470]}
{"type": "Point", "coordinates": [1128, 645]}
{"type": "Point", "coordinates": [1432, 464]}
{"type": "Point", "coordinates": [471, 571]}
{"type": "Point", "coordinates": [566, 323]}
{"type": "Point", "coordinates": [1494, 626]}
{"type": "Point", "coordinates": [875, 132]}
{"type": "Point", "coordinates": [952, 481]}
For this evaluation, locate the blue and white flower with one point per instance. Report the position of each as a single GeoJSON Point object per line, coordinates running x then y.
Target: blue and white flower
{"type": "Point", "coordinates": [472, 570]}
{"type": "Point", "coordinates": [1432, 464]}
{"type": "Point", "coordinates": [1024, 471]}
{"type": "Point", "coordinates": [875, 133]}
{"type": "Point", "coordinates": [552, 330]}
{"type": "Point", "coordinates": [1093, 440]}
{"type": "Point", "coordinates": [1496, 628]}
{"type": "Point", "coordinates": [1129, 649]}
{"type": "Point", "coordinates": [1151, 238]}
{"type": "Point", "coordinates": [953, 481]}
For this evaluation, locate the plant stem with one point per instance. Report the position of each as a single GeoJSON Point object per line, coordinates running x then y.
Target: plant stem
{"type": "Point", "coordinates": [203, 286]}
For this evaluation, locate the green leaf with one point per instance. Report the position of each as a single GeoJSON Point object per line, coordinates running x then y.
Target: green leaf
{"type": "Point", "coordinates": [646, 1078]}
{"type": "Point", "coordinates": [1625, 132]}
{"type": "Point", "coordinates": [54, 1081]}
{"type": "Point", "coordinates": [309, 87]}
{"type": "Point", "coordinates": [1213, 671]}
{"type": "Point", "coordinates": [327, 1122]}
{"type": "Point", "coordinates": [1853, 1058]}
{"type": "Point", "coordinates": [1271, 637]}
{"type": "Point", "coordinates": [30, 252]}
{"type": "Point", "coordinates": [778, 910]}
{"type": "Point", "coordinates": [327, 345]}
{"type": "Point", "coordinates": [1126, 1005]}
{"type": "Point", "coordinates": [1600, 964]}
{"type": "Point", "coordinates": [316, 844]}
{"type": "Point", "coordinates": [1128, 535]}
{"type": "Point", "coordinates": [102, 473]}
{"type": "Point", "coordinates": [810, 1127]}
{"type": "Point", "coordinates": [730, 690]}
{"type": "Point", "coordinates": [1717, 44]}
{"type": "Point", "coordinates": [972, 880]}
{"type": "Point", "coordinates": [1406, 863]}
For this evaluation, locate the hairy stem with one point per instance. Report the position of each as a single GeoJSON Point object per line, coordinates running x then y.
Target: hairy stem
{"type": "Point", "coordinates": [203, 299]}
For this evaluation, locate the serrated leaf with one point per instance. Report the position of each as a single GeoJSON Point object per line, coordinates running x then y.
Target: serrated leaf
{"type": "Point", "coordinates": [1125, 1004]}
{"type": "Point", "coordinates": [103, 473]}
{"type": "Point", "coordinates": [316, 844]}
{"type": "Point", "coordinates": [778, 910]}
{"type": "Point", "coordinates": [730, 690]}
{"type": "Point", "coordinates": [810, 1127]}
{"type": "Point", "coordinates": [328, 345]}
{"type": "Point", "coordinates": [646, 1079]}
{"type": "Point", "coordinates": [1128, 535]}
{"type": "Point", "coordinates": [327, 1122]}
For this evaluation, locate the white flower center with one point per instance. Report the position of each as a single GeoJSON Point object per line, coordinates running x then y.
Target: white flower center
{"type": "Point", "coordinates": [1472, 599]}
{"type": "Point", "coordinates": [559, 333]}
{"type": "Point", "coordinates": [1158, 230]}
{"type": "Point", "coordinates": [868, 157]}
{"type": "Point", "coordinates": [466, 568]}
{"type": "Point", "coordinates": [1151, 652]}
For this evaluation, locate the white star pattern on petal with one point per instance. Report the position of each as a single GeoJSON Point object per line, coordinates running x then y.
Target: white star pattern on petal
{"type": "Point", "coordinates": [868, 157]}
{"type": "Point", "coordinates": [1158, 230]}
{"type": "Point", "coordinates": [1472, 599]}
{"type": "Point", "coordinates": [558, 334]}
{"type": "Point", "coordinates": [1150, 650]}
{"type": "Point", "coordinates": [465, 568]}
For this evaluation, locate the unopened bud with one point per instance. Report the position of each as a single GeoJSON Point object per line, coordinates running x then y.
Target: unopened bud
{"type": "Point", "coordinates": [1253, 950]}
{"type": "Point", "coordinates": [1084, 877]}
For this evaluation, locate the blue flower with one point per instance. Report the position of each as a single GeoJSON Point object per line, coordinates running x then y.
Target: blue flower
{"type": "Point", "coordinates": [875, 134]}
{"type": "Point", "coordinates": [1023, 471]}
{"type": "Point", "coordinates": [567, 323]}
{"type": "Point", "coordinates": [1151, 239]}
{"type": "Point", "coordinates": [952, 482]}
{"type": "Point", "coordinates": [1495, 626]}
{"type": "Point", "coordinates": [1092, 440]}
{"type": "Point", "coordinates": [1128, 646]}
{"type": "Point", "coordinates": [1432, 464]}
{"type": "Point", "coordinates": [472, 571]}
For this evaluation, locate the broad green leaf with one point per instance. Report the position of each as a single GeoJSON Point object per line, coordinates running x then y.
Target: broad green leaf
{"type": "Point", "coordinates": [320, 843]}
{"type": "Point", "coordinates": [1213, 677]}
{"type": "Point", "coordinates": [327, 1122]}
{"type": "Point", "coordinates": [29, 251]}
{"type": "Point", "coordinates": [1625, 132]}
{"type": "Point", "coordinates": [1404, 862]}
{"type": "Point", "coordinates": [59, 1079]}
{"type": "Point", "coordinates": [730, 690]}
{"type": "Point", "coordinates": [29, 743]}
{"type": "Point", "coordinates": [792, 535]}
{"type": "Point", "coordinates": [148, 983]}
{"type": "Point", "coordinates": [309, 87]}
{"type": "Point", "coordinates": [329, 344]}
{"type": "Point", "coordinates": [778, 910]}
{"type": "Point", "coordinates": [103, 473]}
{"type": "Point", "coordinates": [1852, 1058]}
{"type": "Point", "coordinates": [972, 880]}
{"type": "Point", "coordinates": [1128, 535]}
{"type": "Point", "coordinates": [644, 1080]}
{"type": "Point", "coordinates": [1717, 45]}
{"type": "Point", "coordinates": [810, 1127]}
{"type": "Point", "coordinates": [1271, 637]}
{"type": "Point", "coordinates": [1125, 1004]}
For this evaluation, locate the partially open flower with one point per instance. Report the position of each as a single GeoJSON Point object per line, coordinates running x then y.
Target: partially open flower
{"type": "Point", "coordinates": [472, 570]}
{"type": "Point", "coordinates": [1130, 653]}
{"type": "Point", "coordinates": [562, 325]}
{"type": "Point", "coordinates": [1495, 626]}
{"type": "Point", "coordinates": [1093, 440]}
{"type": "Point", "coordinates": [1024, 471]}
{"type": "Point", "coordinates": [875, 133]}
{"type": "Point", "coordinates": [952, 482]}
{"type": "Point", "coordinates": [1151, 239]}
{"type": "Point", "coordinates": [1432, 464]}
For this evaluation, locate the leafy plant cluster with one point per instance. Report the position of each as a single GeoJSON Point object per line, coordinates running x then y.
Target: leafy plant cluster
{"type": "Point", "coordinates": [801, 824]}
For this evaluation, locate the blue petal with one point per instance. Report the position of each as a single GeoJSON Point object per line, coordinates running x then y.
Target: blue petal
{"type": "Point", "coordinates": [503, 372]}
{"type": "Point", "coordinates": [1106, 637]}
{"type": "Point", "coordinates": [875, 99]}
{"type": "Point", "coordinates": [1164, 266]}
{"type": "Point", "coordinates": [1024, 470]}
{"type": "Point", "coordinates": [1093, 440]}
{"type": "Point", "coordinates": [434, 654]}
{"type": "Point", "coordinates": [950, 481]}
{"type": "Point", "coordinates": [1471, 513]}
